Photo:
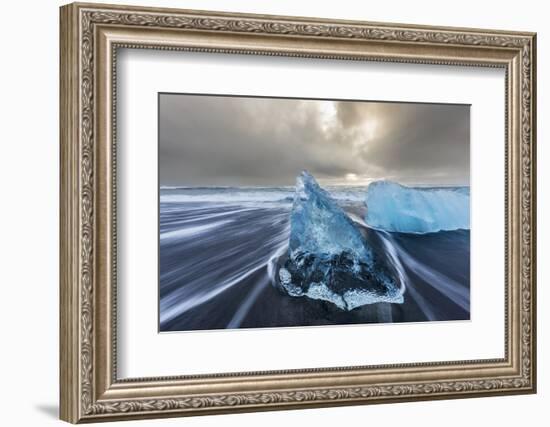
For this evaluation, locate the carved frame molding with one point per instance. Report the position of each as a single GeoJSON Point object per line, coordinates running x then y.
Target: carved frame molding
{"type": "Point", "coordinates": [90, 37]}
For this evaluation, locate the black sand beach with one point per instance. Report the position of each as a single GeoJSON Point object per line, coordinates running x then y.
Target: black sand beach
{"type": "Point", "coordinates": [216, 271]}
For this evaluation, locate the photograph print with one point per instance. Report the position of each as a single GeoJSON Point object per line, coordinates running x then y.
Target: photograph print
{"type": "Point", "coordinates": [285, 212]}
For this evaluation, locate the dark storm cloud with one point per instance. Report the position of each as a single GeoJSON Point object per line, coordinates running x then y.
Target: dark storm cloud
{"type": "Point", "coordinates": [422, 142]}
{"type": "Point", "coordinates": [208, 140]}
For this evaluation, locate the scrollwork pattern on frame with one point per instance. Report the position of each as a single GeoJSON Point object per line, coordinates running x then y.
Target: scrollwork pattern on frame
{"type": "Point", "coordinates": [321, 395]}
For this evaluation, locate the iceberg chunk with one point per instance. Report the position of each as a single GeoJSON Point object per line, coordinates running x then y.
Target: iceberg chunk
{"type": "Point", "coordinates": [394, 207]}
{"type": "Point", "coordinates": [328, 257]}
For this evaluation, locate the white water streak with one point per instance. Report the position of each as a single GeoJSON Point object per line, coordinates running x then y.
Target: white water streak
{"type": "Point", "coordinates": [447, 286]}
{"type": "Point", "coordinates": [181, 233]}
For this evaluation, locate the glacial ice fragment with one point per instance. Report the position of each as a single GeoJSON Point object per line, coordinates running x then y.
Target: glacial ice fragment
{"type": "Point", "coordinates": [394, 207]}
{"type": "Point", "coordinates": [328, 258]}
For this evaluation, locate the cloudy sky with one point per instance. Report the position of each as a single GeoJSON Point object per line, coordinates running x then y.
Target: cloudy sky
{"type": "Point", "coordinates": [231, 141]}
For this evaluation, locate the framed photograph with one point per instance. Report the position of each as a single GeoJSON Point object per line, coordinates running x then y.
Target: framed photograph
{"type": "Point", "coordinates": [266, 212]}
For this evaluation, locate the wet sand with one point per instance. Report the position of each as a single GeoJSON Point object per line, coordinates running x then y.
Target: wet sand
{"type": "Point", "coordinates": [214, 272]}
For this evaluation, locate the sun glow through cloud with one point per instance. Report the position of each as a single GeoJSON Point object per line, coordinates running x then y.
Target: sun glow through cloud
{"type": "Point", "coordinates": [328, 113]}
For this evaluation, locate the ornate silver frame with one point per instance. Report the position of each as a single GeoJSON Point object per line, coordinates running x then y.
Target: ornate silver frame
{"type": "Point", "coordinates": [90, 36]}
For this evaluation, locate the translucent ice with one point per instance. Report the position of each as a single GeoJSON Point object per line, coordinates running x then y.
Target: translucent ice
{"type": "Point", "coordinates": [394, 207]}
{"type": "Point", "coordinates": [328, 258]}
{"type": "Point", "coordinates": [319, 225]}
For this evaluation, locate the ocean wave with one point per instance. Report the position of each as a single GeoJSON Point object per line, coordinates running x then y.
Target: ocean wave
{"type": "Point", "coordinates": [258, 195]}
